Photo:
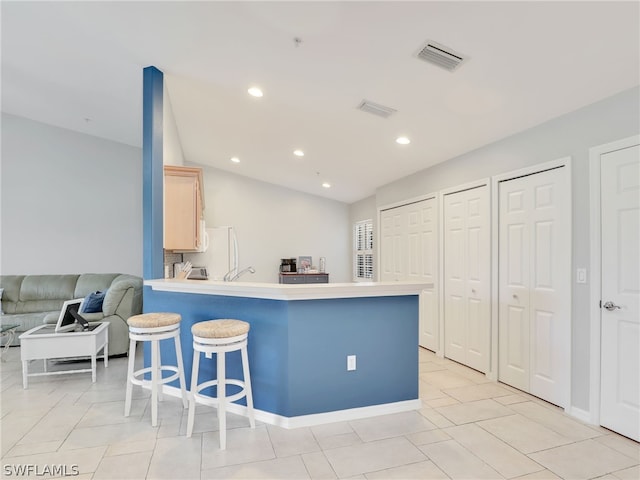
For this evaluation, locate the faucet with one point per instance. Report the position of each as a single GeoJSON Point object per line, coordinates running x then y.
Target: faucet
{"type": "Point", "coordinates": [229, 278]}
{"type": "Point", "coordinates": [228, 275]}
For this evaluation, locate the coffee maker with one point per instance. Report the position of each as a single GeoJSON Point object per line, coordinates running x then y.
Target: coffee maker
{"type": "Point", "coordinates": [288, 265]}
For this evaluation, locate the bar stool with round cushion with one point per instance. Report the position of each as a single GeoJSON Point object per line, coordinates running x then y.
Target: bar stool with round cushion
{"type": "Point", "coordinates": [219, 337]}
{"type": "Point", "coordinates": [153, 327]}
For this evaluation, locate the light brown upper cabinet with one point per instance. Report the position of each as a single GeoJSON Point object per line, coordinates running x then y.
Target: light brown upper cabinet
{"type": "Point", "coordinates": [183, 208]}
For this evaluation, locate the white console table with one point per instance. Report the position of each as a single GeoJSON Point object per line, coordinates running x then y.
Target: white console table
{"type": "Point", "coordinates": [44, 343]}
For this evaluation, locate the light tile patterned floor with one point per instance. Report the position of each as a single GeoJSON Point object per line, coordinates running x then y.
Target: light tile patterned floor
{"type": "Point", "coordinates": [468, 428]}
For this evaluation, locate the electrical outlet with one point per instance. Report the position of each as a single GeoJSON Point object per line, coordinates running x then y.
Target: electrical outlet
{"type": "Point", "coordinates": [351, 362]}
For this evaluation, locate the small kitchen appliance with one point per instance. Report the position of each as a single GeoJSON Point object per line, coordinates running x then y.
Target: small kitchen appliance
{"type": "Point", "coordinates": [288, 265]}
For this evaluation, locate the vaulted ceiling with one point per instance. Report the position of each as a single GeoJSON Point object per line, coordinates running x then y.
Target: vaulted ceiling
{"type": "Point", "coordinates": [78, 65]}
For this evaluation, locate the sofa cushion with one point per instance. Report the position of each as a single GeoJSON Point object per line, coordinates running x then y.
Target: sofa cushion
{"type": "Point", "coordinates": [11, 294]}
{"type": "Point", "coordinates": [48, 287]}
{"type": "Point", "coordinates": [27, 321]}
{"type": "Point", "coordinates": [114, 295]}
{"type": "Point", "coordinates": [92, 282]}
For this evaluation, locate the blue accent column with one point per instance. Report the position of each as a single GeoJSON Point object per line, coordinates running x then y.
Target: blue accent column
{"type": "Point", "coordinates": [152, 174]}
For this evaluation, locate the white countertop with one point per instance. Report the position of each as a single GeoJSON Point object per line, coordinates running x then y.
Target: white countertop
{"type": "Point", "coordinates": [277, 291]}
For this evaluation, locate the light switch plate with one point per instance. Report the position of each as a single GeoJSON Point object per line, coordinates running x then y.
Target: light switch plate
{"type": "Point", "coordinates": [581, 275]}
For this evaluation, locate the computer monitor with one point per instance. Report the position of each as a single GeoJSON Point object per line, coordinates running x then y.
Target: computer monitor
{"type": "Point", "coordinates": [66, 320]}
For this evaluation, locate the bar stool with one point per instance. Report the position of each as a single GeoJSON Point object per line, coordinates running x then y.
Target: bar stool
{"type": "Point", "coordinates": [220, 337]}
{"type": "Point", "coordinates": [153, 327]}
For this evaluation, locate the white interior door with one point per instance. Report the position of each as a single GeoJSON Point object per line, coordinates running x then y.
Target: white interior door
{"type": "Point", "coordinates": [513, 324]}
{"type": "Point", "coordinates": [620, 322]}
{"type": "Point", "coordinates": [423, 265]}
{"type": "Point", "coordinates": [455, 273]}
{"type": "Point", "coordinates": [409, 252]}
{"type": "Point", "coordinates": [534, 326]}
{"type": "Point", "coordinates": [467, 277]}
{"type": "Point", "coordinates": [391, 250]}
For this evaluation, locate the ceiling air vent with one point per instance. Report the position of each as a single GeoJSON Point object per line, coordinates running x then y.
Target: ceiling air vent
{"type": "Point", "coordinates": [376, 109]}
{"type": "Point", "coordinates": [441, 56]}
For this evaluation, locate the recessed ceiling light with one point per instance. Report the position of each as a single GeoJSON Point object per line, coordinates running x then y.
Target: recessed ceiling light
{"type": "Point", "coordinates": [326, 185]}
{"type": "Point", "coordinates": [235, 159]}
{"type": "Point", "coordinates": [255, 92]}
{"type": "Point", "coordinates": [403, 141]}
{"type": "Point", "coordinates": [298, 153]}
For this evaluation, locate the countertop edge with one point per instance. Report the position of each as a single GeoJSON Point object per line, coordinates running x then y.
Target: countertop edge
{"type": "Point", "coordinates": [276, 291]}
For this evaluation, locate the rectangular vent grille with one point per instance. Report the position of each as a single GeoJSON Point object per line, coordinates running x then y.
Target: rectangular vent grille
{"type": "Point", "coordinates": [376, 109]}
{"type": "Point", "coordinates": [441, 56]}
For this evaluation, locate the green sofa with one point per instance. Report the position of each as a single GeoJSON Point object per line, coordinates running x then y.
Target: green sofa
{"type": "Point", "coordinates": [31, 300]}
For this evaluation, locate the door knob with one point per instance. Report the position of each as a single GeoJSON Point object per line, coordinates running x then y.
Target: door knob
{"type": "Point", "coordinates": [611, 306]}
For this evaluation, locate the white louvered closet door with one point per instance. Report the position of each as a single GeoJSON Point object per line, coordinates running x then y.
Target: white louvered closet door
{"type": "Point", "coordinates": [467, 277]}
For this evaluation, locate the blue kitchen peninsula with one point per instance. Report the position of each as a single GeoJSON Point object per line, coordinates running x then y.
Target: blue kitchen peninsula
{"type": "Point", "coordinates": [299, 341]}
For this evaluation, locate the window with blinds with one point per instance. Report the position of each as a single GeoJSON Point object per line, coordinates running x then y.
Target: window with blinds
{"type": "Point", "coordinates": [363, 250]}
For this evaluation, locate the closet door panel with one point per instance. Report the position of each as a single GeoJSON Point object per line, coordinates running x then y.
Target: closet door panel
{"type": "Point", "coordinates": [455, 329]}
{"type": "Point", "coordinates": [467, 277]}
{"type": "Point", "coordinates": [477, 301]}
{"type": "Point", "coordinates": [386, 246]}
{"type": "Point", "coordinates": [409, 253]}
{"type": "Point", "coordinates": [513, 330]}
{"type": "Point", "coordinates": [534, 279]}
{"type": "Point", "coordinates": [514, 353]}
{"type": "Point", "coordinates": [427, 231]}
{"type": "Point", "coordinates": [455, 315]}
{"type": "Point", "coordinates": [551, 286]}
{"type": "Point", "coordinates": [399, 245]}
{"type": "Point", "coordinates": [475, 334]}
{"type": "Point", "coordinates": [429, 337]}
{"type": "Point", "coordinates": [541, 354]}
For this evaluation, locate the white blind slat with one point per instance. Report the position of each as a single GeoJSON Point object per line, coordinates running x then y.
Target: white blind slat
{"type": "Point", "coordinates": [363, 239]}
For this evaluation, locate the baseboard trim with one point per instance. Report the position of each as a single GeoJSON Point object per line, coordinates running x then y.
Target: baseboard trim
{"type": "Point", "coordinates": [316, 418]}
{"type": "Point", "coordinates": [580, 414]}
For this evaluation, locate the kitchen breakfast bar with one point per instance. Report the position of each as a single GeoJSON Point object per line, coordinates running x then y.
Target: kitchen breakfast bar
{"type": "Point", "coordinates": [300, 338]}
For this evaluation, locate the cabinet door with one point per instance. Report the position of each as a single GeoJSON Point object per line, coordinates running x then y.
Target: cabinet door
{"type": "Point", "coordinates": [182, 208]}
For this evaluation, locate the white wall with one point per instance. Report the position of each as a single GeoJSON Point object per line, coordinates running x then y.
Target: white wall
{"type": "Point", "coordinates": [171, 147]}
{"type": "Point", "coordinates": [70, 202]}
{"type": "Point", "coordinates": [569, 135]}
{"type": "Point", "coordinates": [272, 222]}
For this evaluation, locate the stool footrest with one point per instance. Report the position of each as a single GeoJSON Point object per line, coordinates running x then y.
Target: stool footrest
{"type": "Point", "coordinates": [207, 400]}
{"type": "Point", "coordinates": [161, 381]}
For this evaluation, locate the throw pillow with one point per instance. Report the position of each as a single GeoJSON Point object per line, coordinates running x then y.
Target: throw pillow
{"type": "Point", "coordinates": [93, 302]}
